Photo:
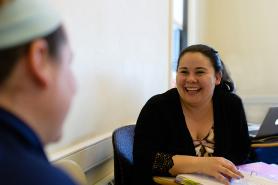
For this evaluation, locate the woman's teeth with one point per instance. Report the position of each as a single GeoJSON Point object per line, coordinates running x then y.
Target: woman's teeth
{"type": "Point", "coordinates": [192, 88]}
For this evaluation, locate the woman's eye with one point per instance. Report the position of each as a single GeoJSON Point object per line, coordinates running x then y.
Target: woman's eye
{"type": "Point", "coordinates": [184, 72]}
{"type": "Point", "coordinates": [200, 72]}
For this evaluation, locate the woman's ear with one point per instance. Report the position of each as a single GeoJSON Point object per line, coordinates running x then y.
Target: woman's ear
{"type": "Point", "coordinates": [37, 62]}
{"type": "Point", "coordinates": [218, 77]}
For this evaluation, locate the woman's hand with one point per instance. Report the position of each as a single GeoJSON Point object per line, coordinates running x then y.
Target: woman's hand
{"type": "Point", "coordinates": [218, 167]}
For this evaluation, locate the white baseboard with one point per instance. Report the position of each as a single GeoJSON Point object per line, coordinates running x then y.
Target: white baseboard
{"type": "Point", "coordinates": [89, 153]}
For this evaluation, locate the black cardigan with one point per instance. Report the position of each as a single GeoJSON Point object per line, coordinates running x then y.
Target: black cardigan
{"type": "Point", "coordinates": [161, 127]}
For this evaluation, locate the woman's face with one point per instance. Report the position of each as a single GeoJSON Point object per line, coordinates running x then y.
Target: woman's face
{"type": "Point", "coordinates": [196, 79]}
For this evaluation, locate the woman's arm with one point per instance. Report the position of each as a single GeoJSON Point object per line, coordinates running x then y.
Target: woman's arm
{"type": "Point", "coordinates": [147, 140]}
{"type": "Point", "coordinates": [218, 167]}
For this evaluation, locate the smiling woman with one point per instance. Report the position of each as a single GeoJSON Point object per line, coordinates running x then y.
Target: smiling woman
{"type": "Point", "coordinates": [191, 128]}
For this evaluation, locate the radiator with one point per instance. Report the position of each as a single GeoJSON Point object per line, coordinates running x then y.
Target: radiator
{"type": "Point", "coordinates": [89, 153]}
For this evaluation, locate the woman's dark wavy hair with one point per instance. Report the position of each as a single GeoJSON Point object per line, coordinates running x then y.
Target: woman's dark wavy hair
{"type": "Point", "coordinates": [218, 65]}
{"type": "Point", "coordinates": [9, 57]}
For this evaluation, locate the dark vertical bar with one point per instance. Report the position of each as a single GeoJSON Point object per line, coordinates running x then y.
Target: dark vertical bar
{"type": "Point", "coordinates": [183, 34]}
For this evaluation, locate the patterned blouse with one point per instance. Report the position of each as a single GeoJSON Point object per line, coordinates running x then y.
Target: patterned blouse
{"type": "Point", "coordinates": [204, 148]}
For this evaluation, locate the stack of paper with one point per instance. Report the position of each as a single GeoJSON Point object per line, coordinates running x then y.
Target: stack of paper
{"type": "Point", "coordinates": [254, 174]}
{"type": "Point", "coordinates": [269, 171]}
{"type": "Point", "coordinates": [252, 179]}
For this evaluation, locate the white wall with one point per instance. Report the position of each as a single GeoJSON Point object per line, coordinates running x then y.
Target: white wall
{"type": "Point", "coordinates": [178, 12]}
{"type": "Point", "coordinates": [245, 34]}
{"type": "Point", "coordinates": [121, 58]}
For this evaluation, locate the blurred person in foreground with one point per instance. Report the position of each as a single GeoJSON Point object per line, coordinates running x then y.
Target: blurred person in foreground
{"type": "Point", "coordinates": [36, 89]}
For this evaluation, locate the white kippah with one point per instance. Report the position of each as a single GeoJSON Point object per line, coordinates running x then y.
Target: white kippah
{"type": "Point", "coordinates": [24, 20]}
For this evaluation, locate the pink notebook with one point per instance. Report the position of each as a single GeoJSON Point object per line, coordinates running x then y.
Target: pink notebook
{"type": "Point", "coordinates": [269, 171]}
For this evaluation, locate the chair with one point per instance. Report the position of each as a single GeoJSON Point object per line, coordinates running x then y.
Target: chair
{"type": "Point", "coordinates": [123, 159]}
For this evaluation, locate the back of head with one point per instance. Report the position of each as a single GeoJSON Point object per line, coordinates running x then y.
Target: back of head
{"type": "Point", "coordinates": [218, 65]}
{"type": "Point", "coordinates": [24, 20]}
{"type": "Point", "coordinates": [32, 45]}
{"type": "Point", "coordinates": [21, 22]}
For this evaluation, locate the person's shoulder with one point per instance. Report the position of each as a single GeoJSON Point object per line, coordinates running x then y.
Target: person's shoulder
{"type": "Point", "coordinates": [50, 174]}
{"type": "Point", "coordinates": [164, 98]}
{"type": "Point", "coordinates": [30, 169]}
{"type": "Point", "coordinates": [233, 97]}
{"type": "Point", "coordinates": [230, 98]}
{"type": "Point", "coordinates": [220, 93]}
{"type": "Point", "coordinates": [43, 174]}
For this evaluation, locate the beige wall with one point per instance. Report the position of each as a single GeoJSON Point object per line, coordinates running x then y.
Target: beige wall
{"type": "Point", "coordinates": [245, 34]}
{"type": "Point", "coordinates": [121, 54]}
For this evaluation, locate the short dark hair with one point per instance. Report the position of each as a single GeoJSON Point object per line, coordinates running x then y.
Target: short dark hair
{"type": "Point", "coordinates": [218, 65]}
{"type": "Point", "coordinates": [9, 57]}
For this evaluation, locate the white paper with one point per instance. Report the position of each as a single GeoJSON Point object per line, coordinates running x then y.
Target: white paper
{"type": "Point", "coordinates": [249, 179]}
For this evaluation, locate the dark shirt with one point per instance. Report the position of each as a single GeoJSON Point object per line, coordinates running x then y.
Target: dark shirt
{"type": "Point", "coordinates": [22, 158]}
{"type": "Point", "coordinates": [161, 128]}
